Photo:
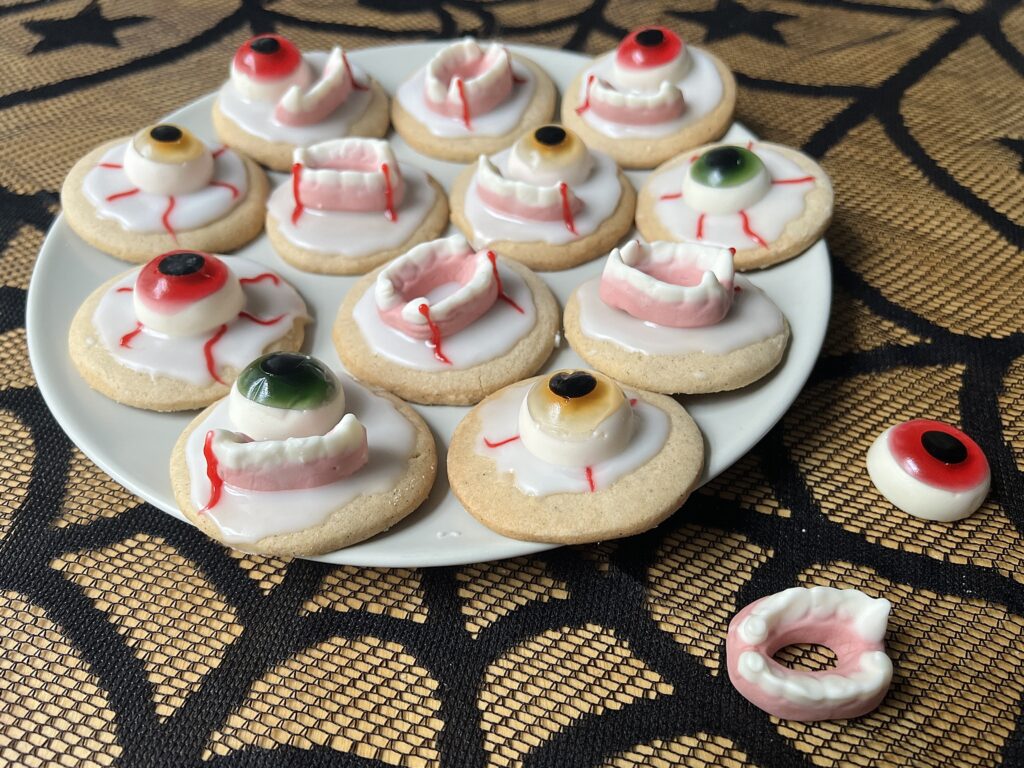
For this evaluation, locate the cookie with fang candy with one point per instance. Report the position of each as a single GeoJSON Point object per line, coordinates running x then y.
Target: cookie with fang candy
{"type": "Point", "coordinates": [299, 460]}
{"type": "Point", "coordinates": [163, 188]}
{"type": "Point", "coordinates": [674, 318]}
{"type": "Point", "coordinates": [547, 201]}
{"type": "Point", "coordinates": [929, 470]}
{"type": "Point", "coordinates": [470, 99]}
{"type": "Point", "coordinates": [650, 99]}
{"type": "Point", "coordinates": [278, 99]}
{"type": "Point", "coordinates": [767, 201]}
{"type": "Point", "coordinates": [173, 334]}
{"type": "Point", "coordinates": [446, 324]}
{"type": "Point", "coordinates": [350, 206]}
{"type": "Point", "coordinates": [570, 457]}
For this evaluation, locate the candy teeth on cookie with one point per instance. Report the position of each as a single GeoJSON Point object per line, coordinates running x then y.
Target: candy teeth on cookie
{"type": "Point", "coordinates": [295, 462]}
{"type": "Point", "coordinates": [402, 288]}
{"type": "Point", "coordinates": [352, 174]}
{"type": "Point", "coordinates": [522, 199]}
{"type": "Point", "coordinates": [636, 107]}
{"type": "Point", "coordinates": [303, 106]}
{"type": "Point", "coordinates": [682, 285]}
{"type": "Point", "coordinates": [463, 79]}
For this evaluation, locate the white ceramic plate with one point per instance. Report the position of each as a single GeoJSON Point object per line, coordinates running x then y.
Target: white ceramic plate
{"type": "Point", "coordinates": [134, 446]}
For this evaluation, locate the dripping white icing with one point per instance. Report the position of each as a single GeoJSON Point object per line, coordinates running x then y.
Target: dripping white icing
{"type": "Point", "coordinates": [248, 516]}
{"type": "Point", "coordinates": [144, 212]}
{"type": "Point", "coordinates": [752, 318]}
{"type": "Point", "coordinates": [499, 421]}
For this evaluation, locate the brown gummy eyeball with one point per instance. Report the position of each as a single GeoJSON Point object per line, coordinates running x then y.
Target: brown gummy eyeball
{"type": "Point", "coordinates": [166, 143]}
{"type": "Point", "coordinates": [574, 402]}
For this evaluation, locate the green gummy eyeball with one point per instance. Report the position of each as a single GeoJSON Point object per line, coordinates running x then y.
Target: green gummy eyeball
{"type": "Point", "coordinates": [288, 380]}
{"type": "Point", "coordinates": [726, 167]}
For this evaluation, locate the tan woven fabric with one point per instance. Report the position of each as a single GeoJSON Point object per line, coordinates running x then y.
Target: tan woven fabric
{"type": "Point", "coordinates": [127, 638]}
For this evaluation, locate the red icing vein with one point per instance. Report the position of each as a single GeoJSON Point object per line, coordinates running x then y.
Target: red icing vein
{"type": "Point", "coordinates": [590, 479]}
{"type": "Point", "coordinates": [389, 193]}
{"type": "Point", "coordinates": [211, 365]}
{"type": "Point", "coordinates": [563, 190]}
{"type": "Point", "coordinates": [296, 177]}
{"type": "Point", "coordinates": [110, 165]}
{"type": "Point", "coordinates": [125, 289]}
{"type": "Point", "coordinates": [261, 277]}
{"type": "Point", "coordinates": [119, 195]}
{"type": "Point", "coordinates": [500, 443]}
{"type": "Point", "coordinates": [750, 232]}
{"type": "Point", "coordinates": [700, 227]}
{"type": "Point", "coordinates": [166, 218]}
{"type": "Point", "coordinates": [212, 472]}
{"type": "Point", "coordinates": [261, 321]}
{"type": "Point", "coordinates": [465, 104]}
{"type": "Point", "coordinates": [126, 340]}
{"type": "Point", "coordinates": [586, 96]}
{"type": "Point", "coordinates": [232, 187]}
{"type": "Point", "coordinates": [672, 196]}
{"type": "Point", "coordinates": [435, 335]}
{"type": "Point", "coordinates": [801, 180]}
{"type": "Point", "coordinates": [501, 290]}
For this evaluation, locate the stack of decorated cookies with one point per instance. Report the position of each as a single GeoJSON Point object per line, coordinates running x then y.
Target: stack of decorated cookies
{"type": "Point", "coordinates": [293, 456]}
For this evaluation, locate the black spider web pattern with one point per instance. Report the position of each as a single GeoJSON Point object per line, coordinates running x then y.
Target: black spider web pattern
{"type": "Point", "coordinates": [616, 599]}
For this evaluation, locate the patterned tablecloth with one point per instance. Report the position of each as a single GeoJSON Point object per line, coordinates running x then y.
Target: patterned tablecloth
{"type": "Point", "coordinates": [127, 638]}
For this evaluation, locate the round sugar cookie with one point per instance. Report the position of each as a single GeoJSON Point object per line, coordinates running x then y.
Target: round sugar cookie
{"type": "Point", "coordinates": [511, 340]}
{"type": "Point", "coordinates": [744, 347]}
{"type": "Point", "coordinates": [768, 201]}
{"type": "Point", "coordinates": [447, 137]}
{"type": "Point", "coordinates": [106, 208]}
{"type": "Point", "coordinates": [336, 232]}
{"type": "Point", "coordinates": [392, 484]}
{"type": "Point", "coordinates": [656, 97]}
{"type": "Point", "coordinates": [548, 201]}
{"type": "Point", "coordinates": [576, 504]}
{"type": "Point", "coordinates": [278, 98]}
{"type": "Point", "coordinates": [124, 362]}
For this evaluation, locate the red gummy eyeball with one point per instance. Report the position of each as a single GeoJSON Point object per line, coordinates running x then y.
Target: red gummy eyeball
{"type": "Point", "coordinates": [929, 469]}
{"type": "Point", "coordinates": [267, 57]}
{"type": "Point", "coordinates": [179, 278]}
{"type": "Point", "coordinates": [648, 47]}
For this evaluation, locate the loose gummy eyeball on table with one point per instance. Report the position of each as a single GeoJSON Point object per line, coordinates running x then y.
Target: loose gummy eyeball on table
{"type": "Point", "coordinates": [929, 469]}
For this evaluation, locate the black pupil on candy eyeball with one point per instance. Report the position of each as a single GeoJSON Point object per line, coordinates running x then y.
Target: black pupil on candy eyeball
{"type": "Point", "coordinates": [281, 364]}
{"type": "Point", "coordinates": [944, 447]}
{"type": "Point", "coordinates": [723, 159]}
{"type": "Point", "coordinates": [165, 133]}
{"type": "Point", "coordinates": [265, 45]}
{"type": "Point", "coordinates": [572, 384]}
{"type": "Point", "coordinates": [650, 37]}
{"type": "Point", "coordinates": [179, 264]}
{"type": "Point", "coordinates": [550, 135]}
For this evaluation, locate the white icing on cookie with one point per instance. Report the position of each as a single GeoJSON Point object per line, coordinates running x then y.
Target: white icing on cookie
{"type": "Point", "coordinates": [358, 234]}
{"type": "Point", "coordinates": [702, 91]}
{"type": "Point", "coordinates": [248, 516]}
{"type": "Point", "coordinates": [109, 189]}
{"type": "Point", "coordinates": [183, 358]}
{"type": "Point", "coordinates": [767, 218]}
{"type": "Point", "coordinates": [752, 318]}
{"type": "Point", "coordinates": [600, 194]}
{"type": "Point", "coordinates": [501, 120]}
{"type": "Point", "coordinates": [499, 422]}
{"type": "Point", "coordinates": [257, 117]}
{"type": "Point", "coordinates": [490, 336]}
